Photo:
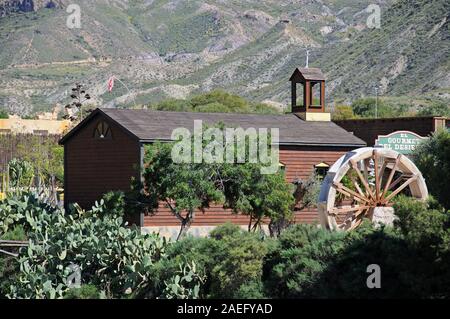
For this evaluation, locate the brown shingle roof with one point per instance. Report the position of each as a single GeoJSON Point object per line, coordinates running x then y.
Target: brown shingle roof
{"type": "Point", "coordinates": [309, 74]}
{"type": "Point", "coordinates": [149, 126]}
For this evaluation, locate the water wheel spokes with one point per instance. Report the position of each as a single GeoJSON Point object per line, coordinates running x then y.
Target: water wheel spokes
{"type": "Point", "coordinates": [365, 179]}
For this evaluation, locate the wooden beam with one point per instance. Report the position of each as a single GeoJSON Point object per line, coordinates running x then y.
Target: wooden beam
{"type": "Point", "coordinates": [382, 169]}
{"type": "Point", "coordinates": [339, 186]}
{"type": "Point", "coordinates": [293, 95]}
{"type": "Point", "coordinates": [361, 177]}
{"type": "Point", "coordinates": [377, 177]}
{"type": "Point", "coordinates": [345, 209]}
{"type": "Point", "coordinates": [353, 217]}
{"type": "Point", "coordinates": [391, 175]}
{"type": "Point", "coordinates": [398, 190]}
{"type": "Point", "coordinates": [357, 186]}
{"type": "Point", "coordinates": [322, 95]}
{"type": "Point", "coordinates": [356, 224]}
{"type": "Point", "coordinates": [307, 95]}
{"type": "Point", "coordinates": [366, 172]}
{"type": "Point", "coordinates": [398, 180]}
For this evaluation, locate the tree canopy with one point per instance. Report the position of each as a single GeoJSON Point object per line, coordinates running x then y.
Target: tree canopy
{"type": "Point", "coordinates": [186, 188]}
{"type": "Point", "coordinates": [432, 157]}
{"type": "Point", "coordinates": [217, 101]}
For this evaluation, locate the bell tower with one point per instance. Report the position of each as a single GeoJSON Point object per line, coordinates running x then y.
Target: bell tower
{"type": "Point", "coordinates": [310, 106]}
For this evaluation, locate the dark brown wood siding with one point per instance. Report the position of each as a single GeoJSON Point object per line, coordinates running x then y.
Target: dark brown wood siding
{"type": "Point", "coordinates": [95, 166]}
{"type": "Point", "coordinates": [369, 129]}
{"type": "Point", "coordinates": [299, 162]}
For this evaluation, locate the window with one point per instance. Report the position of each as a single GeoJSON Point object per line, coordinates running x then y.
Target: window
{"type": "Point", "coordinates": [321, 169]}
{"type": "Point", "coordinates": [316, 94]}
{"type": "Point", "coordinates": [300, 98]}
{"type": "Point", "coordinates": [102, 131]}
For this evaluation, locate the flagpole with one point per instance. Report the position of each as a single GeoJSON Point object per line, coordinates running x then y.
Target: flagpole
{"type": "Point", "coordinates": [129, 92]}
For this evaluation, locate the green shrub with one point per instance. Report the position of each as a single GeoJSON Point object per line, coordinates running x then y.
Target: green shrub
{"type": "Point", "coordinates": [305, 261]}
{"type": "Point", "coordinates": [225, 231]}
{"type": "Point", "coordinates": [302, 253]}
{"type": "Point", "coordinates": [437, 108]}
{"type": "Point", "coordinates": [425, 225]}
{"type": "Point", "coordinates": [251, 290]}
{"type": "Point", "coordinates": [199, 250]}
{"type": "Point", "coordinates": [9, 268]}
{"type": "Point", "coordinates": [95, 248]}
{"type": "Point", "coordinates": [346, 274]}
{"type": "Point", "coordinates": [343, 112]}
{"type": "Point", "coordinates": [114, 203]}
{"type": "Point", "coordinates": [367, 107]}
{"type": "Point", "coordinates": [238, 265]}
{"type": "Point", "coordinates": [84, 292]}
{"type": "Point", "coordinates": [432, 157]}
{"type": "Point", "coordinates": [184, 284]}
{"type": "Point", "coordinates": [21, 173]}
{"type": "Point", "coordinates": [413, 256]}
{"type": "Point", "coordinates": [214, 101]}
{"type": "Point", "coordinates": [112, 257]}
{"type": "Point", "coordinates": [26, 210]}
{"type": "Point", "coordinates": [4, 114]}
{"type": "Point", "coordinates": [231, 260]}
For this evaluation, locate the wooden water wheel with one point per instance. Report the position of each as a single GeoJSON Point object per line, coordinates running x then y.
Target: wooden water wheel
{"type": "Point", "coordinates": [362, 180]}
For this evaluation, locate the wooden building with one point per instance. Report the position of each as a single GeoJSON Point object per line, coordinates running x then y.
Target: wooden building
{"type": "Point", "coordinates": [369, 130]}
{"type": "Point", "coordinates": [16, 125]}
{"type": "Point", "coordinates": [104, 152]}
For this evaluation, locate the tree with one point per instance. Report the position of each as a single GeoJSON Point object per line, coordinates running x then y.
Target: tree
{"type": "Point", "coordinates": [3, 114]}
{"type": "Point", "coordinates": [368, 107]}
{"type": "Point", "coordinates": [233, 103]}
{"type": "Point", "coordinates": [257, 195]}
{"type": "Point", "coordinates": [184, 188]}
{"type": "Point", "coordinates": [214, 101]}
{"type": "Point", "coordinates": [188, 187]}
{"type": "Point", "coordinates": [47, 160]}
{"type": "Point", "coordinates": [343, 112]}
{"type": "Point", "coordinates": [364, 107]}
{"type": "Point", "coordinates": [432, 157]}
{"type": "Point", "coordinates": [435, 109]}
{"type": "Point", "coordinates": [78, 96]}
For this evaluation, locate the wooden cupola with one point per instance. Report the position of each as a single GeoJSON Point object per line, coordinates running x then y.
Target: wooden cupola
{"type": "Point", "coordinates": [311, 104]}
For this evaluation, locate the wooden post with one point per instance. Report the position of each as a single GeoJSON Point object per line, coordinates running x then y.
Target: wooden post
{"type": "Point", "coordinates": [307, 95]}
{"type": "Point", "coordinates": [322, 95]}
{"type": "Point", "coordinates": [293, 95]}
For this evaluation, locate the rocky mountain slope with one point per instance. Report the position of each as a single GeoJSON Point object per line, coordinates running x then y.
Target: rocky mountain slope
{"type": "Point", "coordinates": [162, 48]}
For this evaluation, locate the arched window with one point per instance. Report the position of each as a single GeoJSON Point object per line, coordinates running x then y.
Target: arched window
{"type": "Point", "coordinates": [102, 131]}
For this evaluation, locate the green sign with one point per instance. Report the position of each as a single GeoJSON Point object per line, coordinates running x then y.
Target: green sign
{"type": "Point", "coordinates": [403, 142]}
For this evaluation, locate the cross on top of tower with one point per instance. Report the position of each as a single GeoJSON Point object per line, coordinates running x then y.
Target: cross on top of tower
{"type": "Point", "coordinates": [307, 59]}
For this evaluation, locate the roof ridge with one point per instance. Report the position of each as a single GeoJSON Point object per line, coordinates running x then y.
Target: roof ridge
{"type": "Point", "coordinates": [207, 113]}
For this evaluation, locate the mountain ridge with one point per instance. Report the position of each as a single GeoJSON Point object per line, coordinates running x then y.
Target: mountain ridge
{"type": "Point", "coordinates": [162, 49]}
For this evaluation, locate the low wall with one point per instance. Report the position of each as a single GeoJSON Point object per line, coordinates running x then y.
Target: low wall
{"type": "Point", "coordinates": [171, 232]}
